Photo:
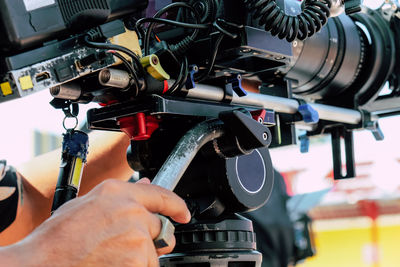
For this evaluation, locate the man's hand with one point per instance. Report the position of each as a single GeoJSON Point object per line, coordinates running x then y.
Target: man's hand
{"type": "Point", "coordinates": [107, 158]}
{"type": "Point", "coordinates": [113, 225]}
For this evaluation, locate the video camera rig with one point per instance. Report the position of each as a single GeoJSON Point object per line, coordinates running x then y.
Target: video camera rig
{"type": "Point", "coordinates": [170, 74]}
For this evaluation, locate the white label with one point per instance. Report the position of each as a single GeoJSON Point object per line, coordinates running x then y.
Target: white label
{"type": "Point", "coordinates": [35, 4]}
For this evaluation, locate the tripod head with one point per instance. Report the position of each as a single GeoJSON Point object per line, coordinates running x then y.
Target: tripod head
{"type": "Point", "coordinates": [215, 186]}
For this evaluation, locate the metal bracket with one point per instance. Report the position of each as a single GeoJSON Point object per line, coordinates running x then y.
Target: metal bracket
{"type": "Point", "coordinates": [372, 125]}
{"type": "Point", "coordinates": [337, 135]}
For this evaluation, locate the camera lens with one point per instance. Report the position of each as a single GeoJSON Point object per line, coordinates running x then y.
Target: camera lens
{"type": "Point", "coordinates": [347, 63]}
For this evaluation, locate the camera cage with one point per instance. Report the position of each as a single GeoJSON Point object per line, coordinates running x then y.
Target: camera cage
{"type": "Point", "coordinates": [188, 83]}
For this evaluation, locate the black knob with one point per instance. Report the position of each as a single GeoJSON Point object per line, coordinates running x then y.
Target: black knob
{"type": "Point", "coordinates": [352, 6]}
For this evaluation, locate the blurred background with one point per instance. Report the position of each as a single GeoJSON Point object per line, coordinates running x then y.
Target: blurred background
{"type": "Point", "coordinates": [357, 223]}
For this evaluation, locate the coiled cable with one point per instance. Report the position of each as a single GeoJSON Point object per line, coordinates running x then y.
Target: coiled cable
{"type": "Point", "coordinates": [314, 16]}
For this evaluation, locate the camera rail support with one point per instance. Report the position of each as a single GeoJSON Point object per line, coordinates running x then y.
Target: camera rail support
{"type": "Point", "coordinates": [278, 104]}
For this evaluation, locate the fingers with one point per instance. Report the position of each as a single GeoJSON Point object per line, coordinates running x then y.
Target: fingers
{"type": "Point", "coordinates": [167, 250]}
{"type": "Point", "coordinates": [184, 217]}
{"type": "Point", "coordinates": [138, 203]}
{"type": "Point", "coordinates": [142, 255]}
{"type": "Point", "coordinates": [152, 255]}
{"type": "Point", "coordinates": [160, 200]}
{"type": "Point", "coordinates": [152, 197]}
{"type": "Point", "coordinates": [155, 230]}
{"type": "Point", "coordinates": [153, 225]}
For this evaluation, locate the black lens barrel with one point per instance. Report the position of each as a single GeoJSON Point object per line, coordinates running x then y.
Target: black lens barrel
{"type": "Point", "coordinates": [347, 63]}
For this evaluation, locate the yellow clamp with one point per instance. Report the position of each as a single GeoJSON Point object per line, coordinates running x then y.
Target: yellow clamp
{"type": "Point", "coordinates": [153, 67]}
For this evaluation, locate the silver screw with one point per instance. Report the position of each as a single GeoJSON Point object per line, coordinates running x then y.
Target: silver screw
{"type": "Point", "coordinates": [265, 136]}
{"type": "Point", "coordinates": [246, 50]}
{"type": "Point", "coordinates": [260, 120]}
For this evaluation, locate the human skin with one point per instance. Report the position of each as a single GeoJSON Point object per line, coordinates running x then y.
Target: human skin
{"type": "Point", "coordinates": [113, 225]}
{"type": "Point", "coordinates": [106, 159]}
{"type": "Point", "coordinates": [81, 216]}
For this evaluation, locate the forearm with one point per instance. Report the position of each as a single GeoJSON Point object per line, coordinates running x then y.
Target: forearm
{"type": "Point", "coordinates": [81, 233]}
{"type": "Point", "coordinates": [106, 159]}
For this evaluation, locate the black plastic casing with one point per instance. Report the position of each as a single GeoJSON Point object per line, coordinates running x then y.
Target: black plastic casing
{"type": "Point", "coordinates": [28, 23]}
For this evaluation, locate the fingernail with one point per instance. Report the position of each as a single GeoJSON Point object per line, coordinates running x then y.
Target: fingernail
{"type": "Point", "coordinates": [144, 181]}
{"type": "Point", "coordinates": [188, 216]}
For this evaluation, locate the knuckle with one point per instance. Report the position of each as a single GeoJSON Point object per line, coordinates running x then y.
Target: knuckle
{"type": "Point", "coordinates": [138, 261]}
{"type": "Point", "coordinates": [168, 249]}
{"type": "Point", "coordinates": [165, 198]}
{"type": "Point", "coordinates": [140, 236]}
{"type": "Point", "coordinates": [109, 187]}
{"type": "Point", "coordinates": [138, 211]}
{"type": "Point", "coordinates": [171, 244]}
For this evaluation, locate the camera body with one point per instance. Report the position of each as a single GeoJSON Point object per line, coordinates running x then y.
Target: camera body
{"type": "Point", "coordinates": [27, 24]}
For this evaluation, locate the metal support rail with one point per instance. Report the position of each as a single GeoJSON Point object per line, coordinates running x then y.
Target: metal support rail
{"type": "Point", "coordinates": [278, 104]}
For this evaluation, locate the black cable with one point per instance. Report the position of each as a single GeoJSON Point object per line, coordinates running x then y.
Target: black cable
{"type": "Point", "coordinates": [219, 24]}
{"type": "Point", "coordinates": [181, 46]}
{"type": "Point", "coordinates": [122, 49]}
{"type": "Point", "coordinates": [163, 11]}
{"type": "Point", "coordinates": [211, 61]}
{"type": "Point", "coordinates": [131, 70]}
{"type": "Point", "coordinates": [173, 23]}
{"type": "Point", "coordinates": [314, 15]}
{"type": "Point", "coordinates": [223, 31]}
{"type": "Point", "coordinates": [126, 63]}
{"type": "Point", "coordinates": [180, 81]}
{"type": "Point", "coordinates": [184, 70]}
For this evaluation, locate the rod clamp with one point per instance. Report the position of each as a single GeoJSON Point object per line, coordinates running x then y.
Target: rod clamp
{"type": "Point", "coordinates": [235, 84]}
{"type": "Point", "coordinates": [372, 125]}
{"type": "Point", "coordinates": [190, 82]}
{"type": "Point", "coordinates": [308, 113]}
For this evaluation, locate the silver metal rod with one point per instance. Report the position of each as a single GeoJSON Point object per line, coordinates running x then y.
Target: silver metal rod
{"type": "Point", "coordinates": [278, 104]}
{"type": "Point", "coordinates": [185, 151]}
